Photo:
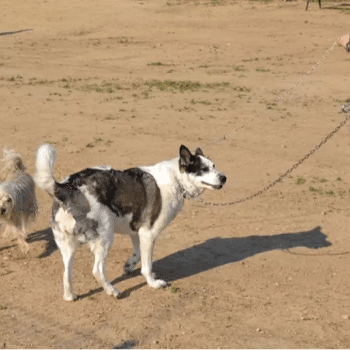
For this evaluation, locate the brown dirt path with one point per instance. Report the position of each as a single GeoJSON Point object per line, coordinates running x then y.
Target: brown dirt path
{"type": "Point", "coordinates": [101, 83]}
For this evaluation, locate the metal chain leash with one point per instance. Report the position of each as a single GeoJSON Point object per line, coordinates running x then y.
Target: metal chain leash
{"type": "Point", "coordinates": [279, 179]}
{"type": "Point", "coordinates": [242, 126]}
{"type": "Point", "coordinates": [346, 107]}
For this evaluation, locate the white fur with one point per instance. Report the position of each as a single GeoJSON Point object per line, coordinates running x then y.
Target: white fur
{"type": "Point", "coordinates": [173, 184]}
{"type": "Point", "coordinates": [45, 161]}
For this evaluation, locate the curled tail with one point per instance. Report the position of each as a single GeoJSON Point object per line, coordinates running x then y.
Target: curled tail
{"type": "Point", "coordinates": [84, 228]}
{"type": "Point", "coordinates": [45, 160]}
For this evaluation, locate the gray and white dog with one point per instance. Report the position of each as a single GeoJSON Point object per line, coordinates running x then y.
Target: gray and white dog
{"type": "Point", "coordinates": [91, 205]}
{"type": "Point", "coordinates": [18, 205]}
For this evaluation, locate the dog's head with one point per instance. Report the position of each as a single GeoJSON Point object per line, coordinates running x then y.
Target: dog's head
{"type": "Point", "coordinates": [13, 166]}
{"type": "Point", "coordinates": [199, 172]}
{"type": "Point", "coordinates": [6, 206]}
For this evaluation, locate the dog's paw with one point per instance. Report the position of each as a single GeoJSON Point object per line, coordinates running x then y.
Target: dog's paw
{"type": "Point", "coordinates": [128, 268]}
{"type": "Point", "coordinates": [113, 292]}
{"type": "Point", "coordinates": [131, 264]}
{"type": "Point", "coordinates": [70, 297]}
{"type": "Point", "coordinates": [157, 284]}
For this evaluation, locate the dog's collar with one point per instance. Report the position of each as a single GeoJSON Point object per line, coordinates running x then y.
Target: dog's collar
{"type": "Point", "coordinates": [188, 195]}
{"type": "Point", "coordinates": [185, 194]}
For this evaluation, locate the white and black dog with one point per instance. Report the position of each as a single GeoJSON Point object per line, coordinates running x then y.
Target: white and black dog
{"type": "Point", "coordinates": [91, 205]}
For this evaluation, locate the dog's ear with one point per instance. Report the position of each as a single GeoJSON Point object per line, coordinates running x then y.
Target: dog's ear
{"type": "Point", "coordinates": [199, 152]}
{"type": "Point", "coordinates": [185, 157]}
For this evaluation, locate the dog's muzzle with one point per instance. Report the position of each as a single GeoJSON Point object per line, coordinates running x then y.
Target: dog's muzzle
{"type": "Point", "coordinates": [222, 179]}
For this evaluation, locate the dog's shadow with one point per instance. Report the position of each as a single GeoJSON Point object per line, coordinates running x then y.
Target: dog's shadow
{"type": "Point", "coordinates": [345, 8]}
{"type": "Point", "coordinates": [210, 254]}
{"type": "Point", "coordinates": [219, 251]}
{"type": "Point", "coordinates": [44, 235]}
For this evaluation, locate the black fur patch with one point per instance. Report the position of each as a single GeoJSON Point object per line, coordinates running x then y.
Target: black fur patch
{"type": "Point", "coordinates": [77, 205]}
{"type": "Point", "coordinates": [129, 191]}
{"type": "Point", "coordinates": [191, 163]}
{"type": "Point", "coordinates": [197, 167]}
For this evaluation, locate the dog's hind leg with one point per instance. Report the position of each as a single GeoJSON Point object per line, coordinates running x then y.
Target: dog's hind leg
{"type": "Point", "coordinates": [147, 242]}
{"type": "Point", "coordinates": [101, 249]}
{"type": "Point", "coordinates": [136, 256]}
{"type": "Point", "coordinates": [67, 247]}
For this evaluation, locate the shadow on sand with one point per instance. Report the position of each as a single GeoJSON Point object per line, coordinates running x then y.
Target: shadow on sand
{"type": "Point", "coordinates": [44, 235]}
{"type": "Point", "coordinates": [343, 7]}
{"type": "Point", "coordinates": [205, 256]}
{"type": "Point", "coordinates": [218, 251]}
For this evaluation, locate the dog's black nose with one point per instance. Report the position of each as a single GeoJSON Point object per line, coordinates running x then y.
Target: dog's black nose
{"type": "Point", "coordinates": [223, 179]}
{"type": "Point", "coordinates": [2, 211]}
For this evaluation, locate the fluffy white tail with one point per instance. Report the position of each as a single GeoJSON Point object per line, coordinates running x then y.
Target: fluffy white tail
{"type": "Point", "coordinates": [45, 160]}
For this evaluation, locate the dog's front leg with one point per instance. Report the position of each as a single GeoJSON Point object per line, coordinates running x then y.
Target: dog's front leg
{"type": "Point", "coordinates": [23, 240]}
{"type": "Point", "coordinates": [7, 231]}
{"type": "Point", "coordinates": [23, 243]}
{"type": "Point", "coordinates": [147, 241]}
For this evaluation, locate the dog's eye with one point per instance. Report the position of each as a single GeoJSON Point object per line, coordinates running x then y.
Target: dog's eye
{"type": "Point", "coordinates": [205, 169]}
{"type": "Point", "coordinates": [9, 199]}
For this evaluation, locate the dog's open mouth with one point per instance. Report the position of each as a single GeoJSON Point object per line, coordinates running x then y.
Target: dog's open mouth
{"type": "Point", "coordinates": [215, 187]}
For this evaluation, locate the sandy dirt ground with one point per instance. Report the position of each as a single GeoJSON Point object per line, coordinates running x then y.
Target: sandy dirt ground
{"type": "Point", "coordinates": [125, 83]}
